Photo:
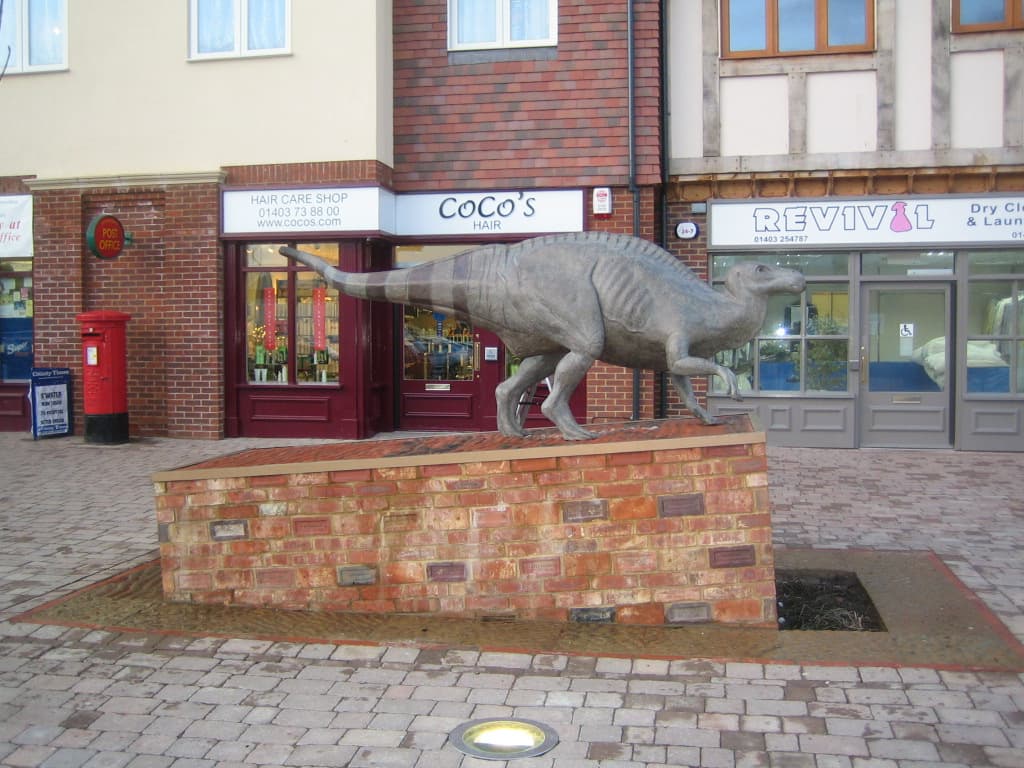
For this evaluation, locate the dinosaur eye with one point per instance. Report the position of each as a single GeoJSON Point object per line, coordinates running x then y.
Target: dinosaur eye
{"type": "Point", "coordinates": [761, 268]}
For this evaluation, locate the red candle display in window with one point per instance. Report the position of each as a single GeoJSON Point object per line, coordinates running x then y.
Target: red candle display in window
{"type": "Point", "coordinates": [319, 319]}
{"type": "Point", "coordinates": [269, 319]}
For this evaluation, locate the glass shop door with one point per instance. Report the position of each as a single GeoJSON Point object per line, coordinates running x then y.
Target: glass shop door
{"type": "Point", "coordinates": [907, 372]}
{"type": "Point", "coordinates": [449, 373]}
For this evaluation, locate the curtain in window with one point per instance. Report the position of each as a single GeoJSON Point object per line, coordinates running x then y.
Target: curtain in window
{"type": "Point", "coordinates": [528, 20]}
{"type": "Point", "coordinates": [8, 39]}
{"type": "Point", "coordinates": [477, 21]}
{"type": "Point", "coordinates": [45, 32]}
{"type": "Point", "coordinates": [215, 26]}
{"type": "Point", "coordinates": [266, 24]}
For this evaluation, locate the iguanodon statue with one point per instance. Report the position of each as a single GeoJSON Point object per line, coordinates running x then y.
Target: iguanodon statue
{"type": "Point", "coordinates": [562, 302]}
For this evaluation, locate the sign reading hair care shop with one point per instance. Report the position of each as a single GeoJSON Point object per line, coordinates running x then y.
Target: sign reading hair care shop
{"type": "Point", "coordinates": [865, 222]}
{"type": "Point", "coordinates": [320, 209]}
{"type": "Point", "coordinates": [15, 226]}
{"type": "Point", "coordinates": [371, 209]}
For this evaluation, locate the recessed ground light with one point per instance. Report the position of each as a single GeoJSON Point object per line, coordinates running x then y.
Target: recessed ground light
{"type": "Point", "coordinates": [497, 739]}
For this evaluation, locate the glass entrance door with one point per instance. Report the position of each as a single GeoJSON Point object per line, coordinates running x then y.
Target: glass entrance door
{"type": "Point", "coordinates": [907, 376]}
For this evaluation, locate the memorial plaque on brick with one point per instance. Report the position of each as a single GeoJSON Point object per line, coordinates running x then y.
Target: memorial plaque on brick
{"type": "Point", "coordinates": [582, 511]}
{"type": "Point", "coordinates": [681, 506]}
{"type": "Point", "coordinates": [733, 557]}
{"type": "Point", "coordinates": [229, 530]}
{"type": "Point", "coordinates": [602, 615]}
{"type": "Point", "coordinates": [356, 575]}
{"type": "Point", "coordinates": [446, 571]}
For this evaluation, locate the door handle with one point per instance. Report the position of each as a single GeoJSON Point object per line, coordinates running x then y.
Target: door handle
{"type": "Point", "coordinates": [476, 356]}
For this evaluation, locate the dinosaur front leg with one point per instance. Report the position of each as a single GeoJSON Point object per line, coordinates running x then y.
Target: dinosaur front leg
{"type": "Point", "coordinates": [510, 392]}
{"type": "Point", "coordinates": [685, 390]}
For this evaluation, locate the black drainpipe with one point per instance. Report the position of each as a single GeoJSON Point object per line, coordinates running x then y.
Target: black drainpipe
{"type": "Point", "coordinates": [661, 410]}
{"type": "Point", "coordinates": [633, 188]}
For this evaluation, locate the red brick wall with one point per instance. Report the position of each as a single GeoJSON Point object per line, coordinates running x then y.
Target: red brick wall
{"type": "Point", "coordinates": [169, 279]}
{"type": "Point", "coordinates": [673, 522]}
{"type": "Point", "coordinates": [533, 123]}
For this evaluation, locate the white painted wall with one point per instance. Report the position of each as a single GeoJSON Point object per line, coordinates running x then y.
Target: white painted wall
{"type": "Point", "coordinates": [685, 79]}
{"type": "Point", "coordinates": [913, 83]}
{"type": "Point", "coordinates": [842, 113]}
{"type": "Point", "coordinates": [976, 99]}
{"type": "Point", "coordinates": [132, 103]}
{"type": "Point", "coordinates": [755, 115]}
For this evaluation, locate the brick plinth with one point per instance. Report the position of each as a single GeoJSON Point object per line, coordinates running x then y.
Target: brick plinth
{"type": "Point", "coordinates": [651, 523]}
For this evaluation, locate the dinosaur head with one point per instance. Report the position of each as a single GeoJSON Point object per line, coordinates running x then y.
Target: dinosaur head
{"type": "Point", "coordinates": [752, 278]}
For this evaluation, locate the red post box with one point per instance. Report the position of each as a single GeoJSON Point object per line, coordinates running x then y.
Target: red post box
{"type": "Point", "coordinates": [105, 376]}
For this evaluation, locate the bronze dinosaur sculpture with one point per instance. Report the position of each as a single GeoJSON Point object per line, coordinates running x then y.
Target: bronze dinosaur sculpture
{"type": "Point", "coordinates": [562, 302]}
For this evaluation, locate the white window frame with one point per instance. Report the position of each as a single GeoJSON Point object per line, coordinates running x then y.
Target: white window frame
{"type": "Point", "coordinates": [241, 21]}
{"type": "Point", "coordinates": [503, 14]}
{"type": "Point", "coordinates": [16, 14]}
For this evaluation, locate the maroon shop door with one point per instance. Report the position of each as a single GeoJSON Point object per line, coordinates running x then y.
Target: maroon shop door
{"type": "Point", "coordinates": [449, 373]}
{"type": "Point", "coordinates": [300, 365]}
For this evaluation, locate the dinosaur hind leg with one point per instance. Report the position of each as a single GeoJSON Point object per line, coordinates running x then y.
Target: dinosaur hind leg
{"type": "Point", "coordinates": [568, 374]}
{"type": "Point", "coordinates": [512, 390]}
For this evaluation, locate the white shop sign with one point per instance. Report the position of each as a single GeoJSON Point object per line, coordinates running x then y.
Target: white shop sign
{"type": "Point", "coordinates": [890, 222]}
{"type": "Point", "coordinates": [371, 209]}
{"type": "Point", "coordinates": [517, 212]}
{"type": "Point", "coordinates": [16, 226]}
{"type": "Point", "coordinates": [320, 209]}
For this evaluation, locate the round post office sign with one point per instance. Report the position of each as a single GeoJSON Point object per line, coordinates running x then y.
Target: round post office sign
{"type": "Point", "coordinates": [105, 236]}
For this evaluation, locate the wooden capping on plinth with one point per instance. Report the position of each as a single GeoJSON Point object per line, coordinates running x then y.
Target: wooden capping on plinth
{"type": "Point", "coordinates": [565, 449]}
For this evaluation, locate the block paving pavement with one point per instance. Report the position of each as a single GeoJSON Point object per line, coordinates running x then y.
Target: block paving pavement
{"type": "Point", "coordinates": [71, 514]}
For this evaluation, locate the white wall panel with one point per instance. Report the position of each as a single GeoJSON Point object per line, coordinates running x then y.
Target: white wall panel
{"type": "Point", "coordinates": [976, 99]}
{"type": "Point", "coordinates": [913, 62]}
{"type": "Point", "coordinates": [755, 115]}
{"type": "Point", "coordinates": [842, 112]}
{"type": "Point", "coordinates": [685, 79]}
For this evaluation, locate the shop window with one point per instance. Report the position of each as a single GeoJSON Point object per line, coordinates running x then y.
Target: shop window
{"type": "Point", "coordinates": [761, 28]}
{"type": "Point", "coordinates": [995, 323]}
{"type": "Point", "coordinates": [803, 346]}
{"type": "Point", "coordinates": [15, 319]}
{"type": "Point", "coordinates": [33, 35]}
{"type": "Point", "coordinates": [483, 24]}
{"type": "Point", "coordinates": [225, 28]}
{"type": "Point", "coordinates": [291, 318]}
{"type": "Point", "coordinates": [987, 15]}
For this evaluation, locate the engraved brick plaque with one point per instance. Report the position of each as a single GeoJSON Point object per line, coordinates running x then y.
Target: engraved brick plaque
{"type": "Point", "coordinates": [602, 615]}
{"type": "Point", "coordinates": [312, 526]}
{"type": "Point", "coordinates": [356, 575]}
{"type": "Point", "coordinates": [582, 511]}
{"type": "Point", "coordinates": [229, 530]}
{"type": "Point", "coordinates": [541, 567]}
{"type": "Point", "coordinates": [733, 557]}
{"type": "Point", "coordinates": [446, 572]}
{"type": "Point", "coordinates": [688, 613]}
{"type": "Point", "coordinates": [687, 505]}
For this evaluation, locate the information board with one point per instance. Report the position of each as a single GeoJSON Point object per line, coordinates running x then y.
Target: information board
{"type": "Point", "coordinates": [50, 396]}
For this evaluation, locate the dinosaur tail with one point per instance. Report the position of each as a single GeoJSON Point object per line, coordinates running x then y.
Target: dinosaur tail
{"type": "Point", "coordinates": [371, 285]}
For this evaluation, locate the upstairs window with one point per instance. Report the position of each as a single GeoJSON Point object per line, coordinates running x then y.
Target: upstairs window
{"type": "Point", "coordinates": [760, 28]}
{"type": "Point", "coordinates": [483, 24]}
{"type": "Point", "coordinates": [33, 36]}
{"type": "Point", "coordinates": [986, 15]}
{"type": "Point", "coordinates": [225, 28]}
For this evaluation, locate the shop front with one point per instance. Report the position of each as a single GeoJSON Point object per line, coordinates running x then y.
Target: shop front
{"type": "Point", "coordinates": [16, 311]}
{"type": "Point", "coordinates": [910, 333]}
{"type": "Point", "coordinates": [303, 360]}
